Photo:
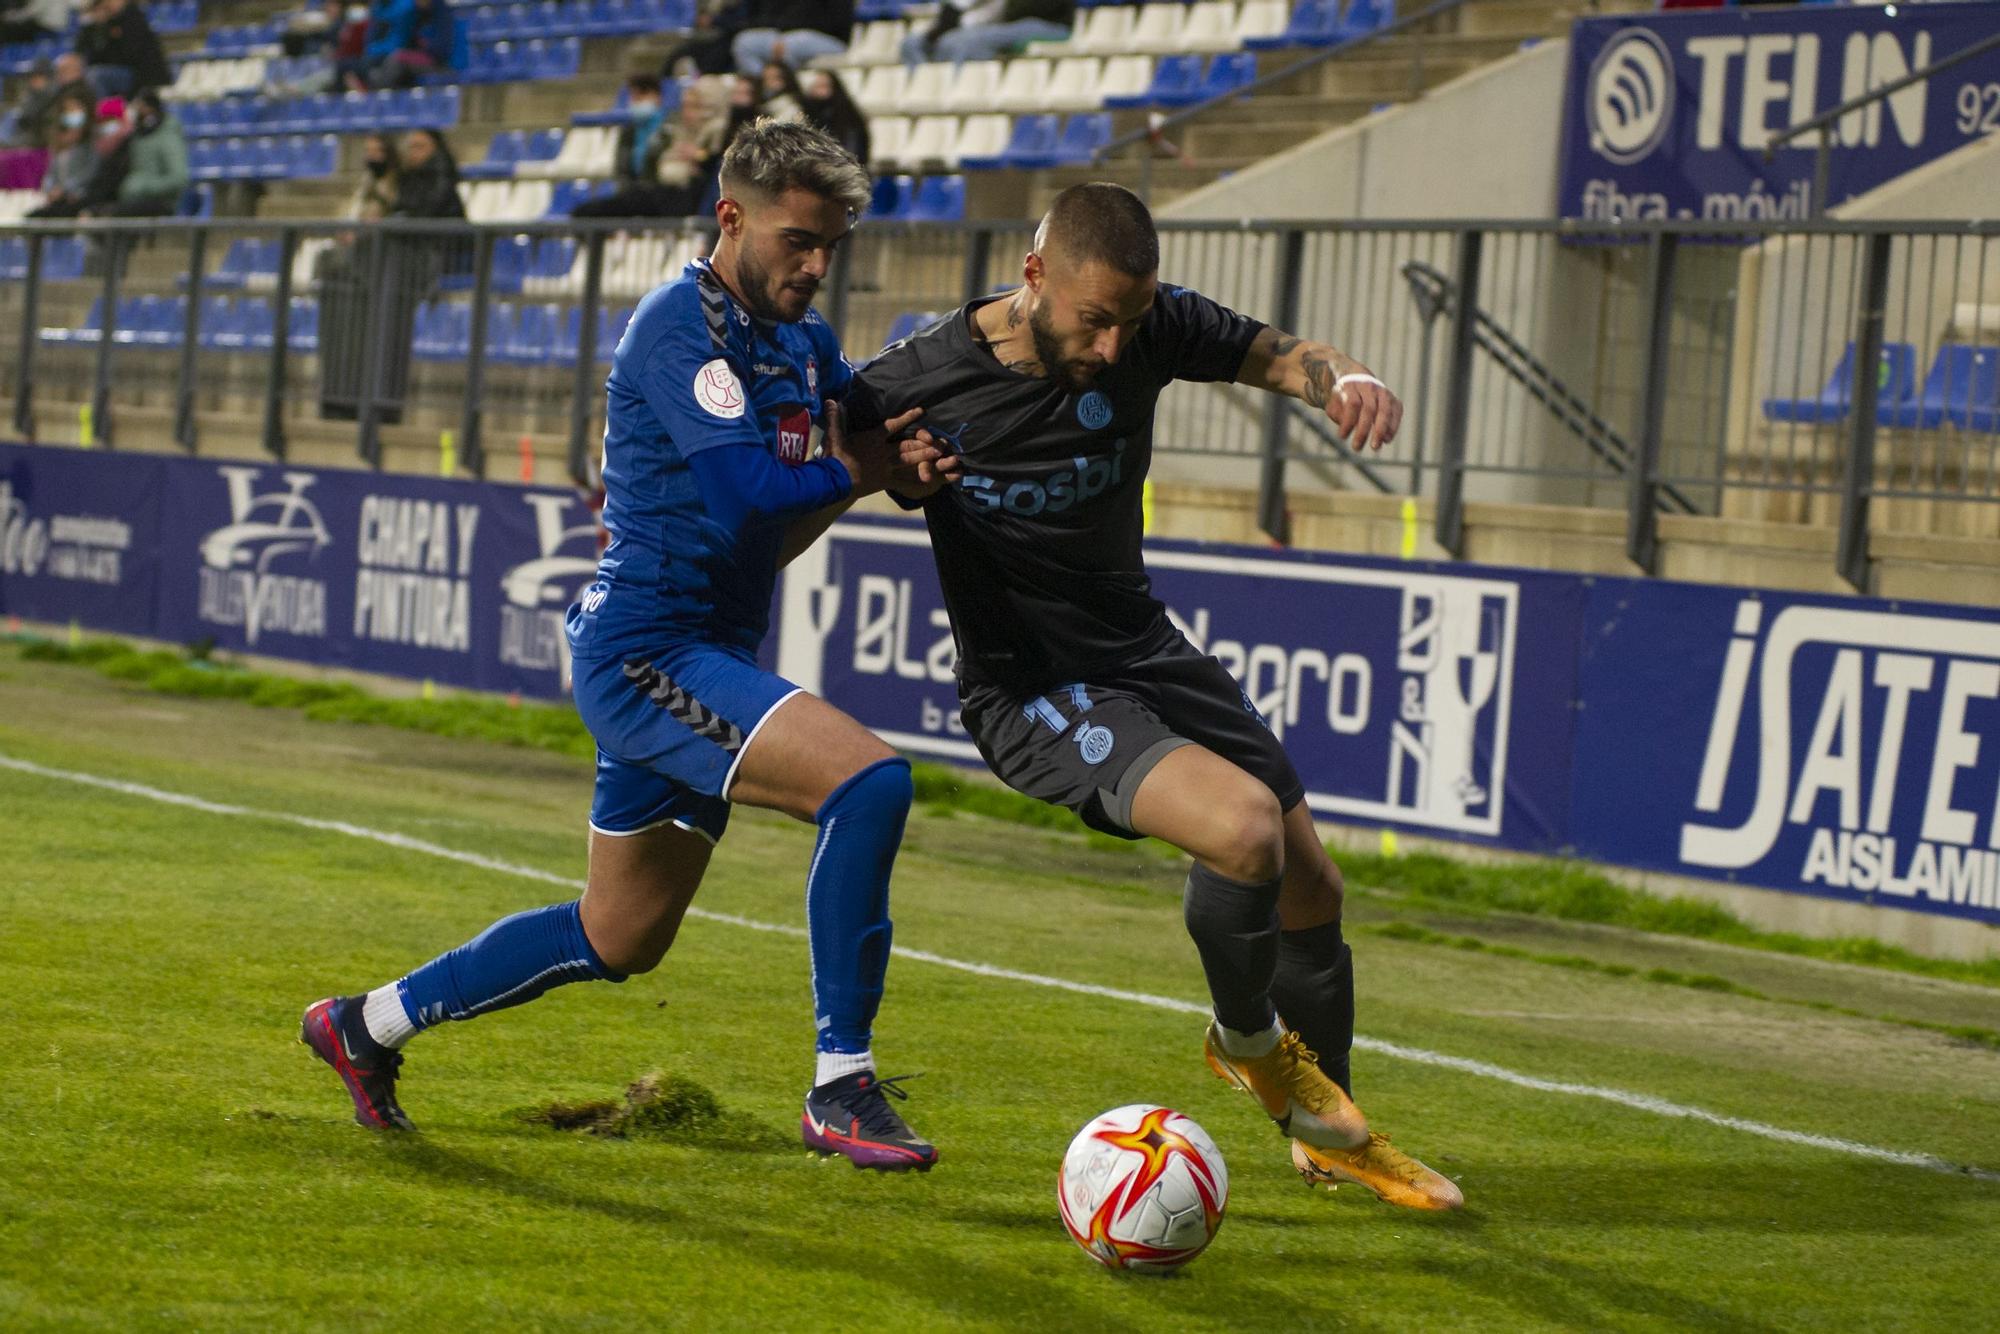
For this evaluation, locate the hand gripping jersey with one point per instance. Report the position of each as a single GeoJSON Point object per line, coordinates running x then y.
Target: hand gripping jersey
{"type": "Point", "coordinates": [1038, 545]}
{"type": "Point", "coordinates": [694, 372]}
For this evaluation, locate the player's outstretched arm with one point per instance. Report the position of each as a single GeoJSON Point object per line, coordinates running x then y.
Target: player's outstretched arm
{"type": "Point", "coordinates": [915, 467]}
{"type": "Point", "coordinates": [1360, 406]}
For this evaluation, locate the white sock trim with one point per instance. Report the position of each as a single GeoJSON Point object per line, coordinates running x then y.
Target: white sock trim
{"type": "Point", "coordinates": [382, 1013]}
{"type": "Point", "coordinates": [1261, 1043]}
{"type": "Point", "coordinates": [833, 1064]}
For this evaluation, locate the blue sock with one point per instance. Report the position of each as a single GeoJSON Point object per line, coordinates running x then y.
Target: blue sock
{"type": "Point", "coordinates": [847, 900]}
{"type": "Point", "coordinates": [511, 962]}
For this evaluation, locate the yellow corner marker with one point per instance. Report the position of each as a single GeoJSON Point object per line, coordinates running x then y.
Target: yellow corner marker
{"type": "Point", "coordinates": [447, 453]}
{"type": "Point", "coordinates": [1389, 848]}
{"type": "Point", "coordinates": [75, 634]}
{"type": "Point", "coordinates": [430, 688]}
{"type": "Point", "coordinates": [84, 424]}
{"type": "Point", "coordinates": [1409, 527]}
{"type": "Point", "coordinates": [1146, 507]}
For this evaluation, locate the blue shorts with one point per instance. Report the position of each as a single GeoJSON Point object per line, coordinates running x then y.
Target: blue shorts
{"type": "Point", "coordinates": [671, 727]}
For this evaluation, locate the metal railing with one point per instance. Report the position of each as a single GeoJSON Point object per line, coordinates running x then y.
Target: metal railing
{"type": "Point", "coordinates": [1686, 367]}
{"type": "Point", "coordinates": [1823, 122]}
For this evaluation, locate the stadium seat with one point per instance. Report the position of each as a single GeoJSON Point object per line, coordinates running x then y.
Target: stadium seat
{"type": "Point", "coordinates": [1101, 32]}
{"type": "Point", "coordinates": [1081, 139]}
{"type": "Point", "coordinates": [1157, 30]}
{"type": "Point", "coordinates": [1210, 28]}
{"type": "Point", "coordinates": [892, 196]}
{"type": "Point", "coordinates": [1023, 86]}
{"type": "Point", "coordinates": [1074, 84]}
{"type": "Point", "coordinates": [1962, 387]}
{"type": "Point", "coordinates": [1313, 23]}
{"type": "Point", "coordinates": [1259, 19]}
{"type": "Point", "coordinates": [933, 139]}
{"type": "Point", "coordinates": [1124, 76]}
{"type": "Point", "coordinates": [502, 153]}
{"type": "Point", "coordinates": [974, 88]}
{"type": "Point", "coordinates": [1365, 16]}
{"type": "Point", "coordinates": [1225, 75]}
{"type": "Point", "coordinates": [907, 323]}
{"type": "Point", "coordinates": [1174, 82]}
{"type": "Point", "coordinates": [926, 89]}
{"type": "Point", "coordinates": [881, 92]}
{"type": "Point", "coordinates": [939, 199]}
{"type": "Point", "coordinates": [1031, 144]}
{"type": "Point", "coordinates": [618, 114]}
{"type": "Point", "coordinates": [88, 332]}
{"type": "Point", "coordinates": [1896, 378]}
{"type": "Point", "coordinates": [981, 137]}
{"type": "Point", "coordinates": [302, 335]}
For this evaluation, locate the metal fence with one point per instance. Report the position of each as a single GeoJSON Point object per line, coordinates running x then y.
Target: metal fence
{"type": "Point", "coordinates": [1679, 368]}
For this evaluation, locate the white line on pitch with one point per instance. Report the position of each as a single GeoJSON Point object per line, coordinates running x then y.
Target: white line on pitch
{"type": "Point", "coordinates": [1636, 1101]}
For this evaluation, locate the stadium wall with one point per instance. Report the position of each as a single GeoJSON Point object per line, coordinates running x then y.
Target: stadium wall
{"type": "Point", "coordinates": [1832, 750]}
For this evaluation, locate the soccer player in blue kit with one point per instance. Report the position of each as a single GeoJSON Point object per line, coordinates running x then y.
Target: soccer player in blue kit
{"type": "Point", "coordinates": [713, 395]}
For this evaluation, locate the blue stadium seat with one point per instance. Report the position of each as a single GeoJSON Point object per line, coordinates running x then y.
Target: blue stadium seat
{"type": "Point", "coordinates": [1895, 379]}
{"type": "Point", "coordinates": [542, 146]}
{"type": "Point", "coordinates": [13, 257]}
{"type": "Point", "coordinates": [87, 332]}
{"type": "Point", "coordinates": [1082, 137]}
{"type": "Point", "coordinates": [303, 334]}
{"type": "Point", "coordinates": [1313, 23]}
{"type": "Point", "coordinates": [501, 155]}
{"type": "Point", "coordinates": [558, 59]}
{"type": "Point", "coordinates": [537, 330]}
{"type": "Point", "coordinates": [317, 156]}
{"type": "Point", "coordinates": [891, 199]}
{"type": "Point", "coordinates": [1962, 387]}
{"type": "Point", "coordinates": [1226, 73]}
{"type": "Point", "coordinates": [1174, 80]}
{"type": "Point", "coordinates": [217, 313]}
{"type": "Point", "coordinates": [63, 259]}
{"type": "Point", "coordinates": [939, 199]}
{"type": "Point", "coordinates": [204, 159]}
{"type": "Point", "coordinates": [906, 324]}
{"type": "Point", "coordinates": [1365, 16]}
{"type": "Point", "coordinates": [617, 115]}
{"type": "Point", "coordinates": [1031, 144]}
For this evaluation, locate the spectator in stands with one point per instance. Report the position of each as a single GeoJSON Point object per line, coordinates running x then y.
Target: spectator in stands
{"type": "Point", "coordinates": [311, 31]}
{"type": "Point", "coordinates": [644, 112]}
{"type": "Point", "coordinates": [706, 48]}
{"type": "Point", "coordinates": [346, 48]}
{"type": "Point", "coordinates": [409, 39]}
{"type": "Point", "coordinates": [679, 162]}
{"type": "Point", "coordinates": [987, 29]}
{"type": "Point", "coordinates": [24, 132]}
{"type": "Point", "coordinates": [778, 92]}
{"type": "Point", "coordinates": [110, 159]}
{"type": "Point", "coordinates": [793, 31]}
{"type": "Point", "coordinates": [72, 80]}
{"type": "Point", "coordinates": [377, 195]}
{"type": "Point", "coordinates": [71, 159]}
{"type": "Point", "coordinates": [427, 180]}
{"type": "Point", "coordinates": [121, 49]}
{"type": "Point", "coordinates": [828, 106]}
{"type": "Point", "coordinates": [156, 172]}
{"type": "Point", "coordinates": [33, 20]}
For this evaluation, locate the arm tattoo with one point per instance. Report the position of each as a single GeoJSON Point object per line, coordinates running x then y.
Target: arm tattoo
{"type": "Point", "coordinates": [1283, 345]}
{"type": "Point", "coordinates": [1026, 366]}
{"type": "Point", "coordinates": [1319, 379]}
{"type": "Point", "coordinates": [1014, 314]}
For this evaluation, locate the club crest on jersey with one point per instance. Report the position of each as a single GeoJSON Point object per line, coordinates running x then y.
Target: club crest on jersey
{"type": "Point", "coordinates": [812, 377]}
{"type": "Point", "coordinates": [718, 390]}
{"type": "Point", "coordinates": [1094, 411]}
{"type": "Point", "coordinates": [794, 434]}
{"type": "Point", "coordinates": [1094, 743]}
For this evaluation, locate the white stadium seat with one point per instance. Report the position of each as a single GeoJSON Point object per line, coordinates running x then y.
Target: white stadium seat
{"type": "Point", "coordinates": [1261, 18]}
{"type": "Point", "coordinates": [926, 89]}
{"type": "Point", "coordinates": [1210, 28]}
{"type": "Point", "coordinates": [1158, 31]}
{"type": "Point", "coordinates": [881, 91]}
{"type": "Point", "coordinates": [1024, 86]}
{"type": "Point", "coordinates": [877, 43]}
{"type": "Point", "coordinates": [886, 137]}
{"type": "Point", "coordinates": [975, 88]}
{"type": "Point", "coordinates": [1073, 85]}
{"type": "Point", "coordinates": [933, 139]}
{"type": "Point", "coordinates": [1104, 31]}
{"type": "Point", "coordinates": [1125, 76]}
{"type": "Point", "coordinates": [982, 136]}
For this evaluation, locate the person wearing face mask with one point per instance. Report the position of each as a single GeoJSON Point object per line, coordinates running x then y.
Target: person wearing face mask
{"type": "Point", "coordinates": [675, 167]}
{"type": "Point", "coordinates": [376, 195]}
{"type": "Point", "coordinates": [111, 159]}
{"type": "Point", "coordinates": [72, 159]}
{"type": "Point", "coordinates": [778, 92]}
{"type": "Point", "coordinates": [157, 163]}
{"type": "Point", "coordinates": [643, 111]}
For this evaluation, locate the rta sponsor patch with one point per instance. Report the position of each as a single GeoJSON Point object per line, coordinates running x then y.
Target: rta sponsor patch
{"type": "Point", "coordinates": [794, 435]}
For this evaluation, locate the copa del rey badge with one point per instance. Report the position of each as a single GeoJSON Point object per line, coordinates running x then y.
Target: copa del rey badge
{"type": "Point", "coordinates": [718, 390]}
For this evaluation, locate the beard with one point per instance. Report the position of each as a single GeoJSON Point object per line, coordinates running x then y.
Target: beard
{"type": "Point", "coordinates": [1048, 351]}
{"type": "Point", "coordinates": [760, 292]}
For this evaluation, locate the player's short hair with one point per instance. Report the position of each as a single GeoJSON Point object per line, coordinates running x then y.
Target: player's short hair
{"type": "Point", "coordinates": [773, 156]}
{"type": "Point", "coordinates": [1102, 223]}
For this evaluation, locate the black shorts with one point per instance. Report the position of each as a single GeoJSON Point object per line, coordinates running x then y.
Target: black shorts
{"type": "Point", "coordinates": [1089, 745]}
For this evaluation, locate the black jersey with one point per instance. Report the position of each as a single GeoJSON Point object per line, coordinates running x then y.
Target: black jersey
{"type": "Point", "coordinates": [1037, 545]}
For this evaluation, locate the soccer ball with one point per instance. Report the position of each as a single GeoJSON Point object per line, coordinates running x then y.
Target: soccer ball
{"type": "Point", "coordinates": [1142, 1187]}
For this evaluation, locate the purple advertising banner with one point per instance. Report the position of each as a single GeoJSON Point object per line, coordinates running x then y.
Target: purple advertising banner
{"type": "Point", "coordinates": [79, 537]}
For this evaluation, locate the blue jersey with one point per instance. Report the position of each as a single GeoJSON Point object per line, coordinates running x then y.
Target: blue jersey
{"type": "Point", "coordinates": [693, 372]}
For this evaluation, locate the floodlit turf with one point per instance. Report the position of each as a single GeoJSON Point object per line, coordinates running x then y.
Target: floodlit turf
{"type": "Point", "coordinates": [170, 1155]}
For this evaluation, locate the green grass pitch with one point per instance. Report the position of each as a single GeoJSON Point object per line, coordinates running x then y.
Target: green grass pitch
{"type": "Point", "coordinates": [171, 1157]}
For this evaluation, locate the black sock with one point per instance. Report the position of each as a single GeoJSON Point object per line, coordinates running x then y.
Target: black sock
{"type": "Point", "coordinates": [1235, 928]}
{"type": "Point", "coordinates": [1314, 991]}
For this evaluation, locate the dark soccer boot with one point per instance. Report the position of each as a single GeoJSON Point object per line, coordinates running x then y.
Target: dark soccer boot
{"type": "Point", "coordinates": [851, 1116]}
{"type": "Point", "coordinates": [365, 1066]}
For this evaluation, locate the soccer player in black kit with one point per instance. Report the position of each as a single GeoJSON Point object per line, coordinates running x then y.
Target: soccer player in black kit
{"type": "Point", "coordinates": [1077, 688]}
